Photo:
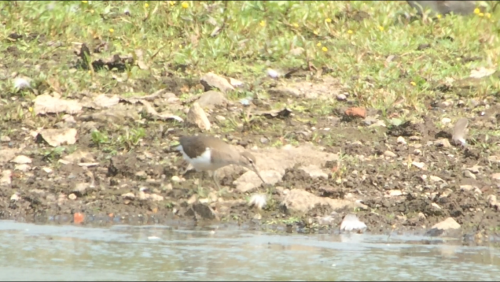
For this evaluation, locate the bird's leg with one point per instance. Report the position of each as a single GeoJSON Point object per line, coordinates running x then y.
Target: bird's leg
{"type": "Point", "coordinates": [200, 179]}
{"type": "Point", "coordinates": [214, 176]}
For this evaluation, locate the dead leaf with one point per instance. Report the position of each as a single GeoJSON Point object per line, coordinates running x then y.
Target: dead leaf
{"type": "Point", "coordinates": [356, 112]}
{"type": "Point", "coordinates": [47, 104]}
{"type": "Point", "coordinates": [152, 112]}
{"type": "Point", "coordinates": [56, 137]}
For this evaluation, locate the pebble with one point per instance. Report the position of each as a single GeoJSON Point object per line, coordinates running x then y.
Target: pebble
{"type": "Point", "coordinates": [128, 195]}
{"type": "Point", "coordinates": [15, 198]}
{"type": "Point", "coordinates": [21, 160]}
{"type": "Point", "coordinates": [418, 164]}
{"type": "Point", "coordinates": [469, 174]}
{"type": "Point", "coordinates": [401, 140]}
{"type": "Point", "coordinates": [417, 152]}
{"type": "Point", "coordinates": [22, 167]}
{"type": "Point", "coordinates": [496, 176]}
{"type": "Point", "coordinates": [72, 196]}
{"type": "Point", "coordinates": [442, 143]}
{"type": "Point", "coordinates": [47, 169]}
{"type": "Point", "coordinates": [436, 178]}
{"type": "Point", "coordinates": [220, 118]}
{"type": "Point", "coordinates": [4, 138]}
{"type": "Point", "coordinates": [445, 120]}
{"type": "Point", "coordinates": [175, 179]}
{"type": "Point", "coordinates": [341, 97]}
{"type": "Point", "coordinates": [390, 154]}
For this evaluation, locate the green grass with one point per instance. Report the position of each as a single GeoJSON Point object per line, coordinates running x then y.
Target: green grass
{"type": "Point", "coordinates": [256, 35]}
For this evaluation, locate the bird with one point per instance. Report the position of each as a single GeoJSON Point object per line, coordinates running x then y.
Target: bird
{"type": "Point", "coordinates": [207, 153]}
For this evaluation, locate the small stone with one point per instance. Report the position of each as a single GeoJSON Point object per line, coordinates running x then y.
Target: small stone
{"type": "Point", "coordinates": [418, 164]}
{"type": "Point", "coordinates": [314, 171]}
{"type": "Point", "coordinates": [445, 120]}
{"type": "Point", "coordinates": [15, 198]}
{"type": "Point", "coordinates": [436, 179]}
{"type": "Point", "coordinates": [341, 97]}
{"type": "Point", "coordinates": [4, 139]}
{"type": "Point", "coordinates": [141, 175]}
{"type": "Point", "coordinates": [128, 195]}
{"type": "Point", "coordinates": [446, 224]}
{"type": "Point", "coordinates": [6, 178]}
{"type": "Point", "coordinates": [442, 143]}
{"type": "Point", "coordinates": [258, 200]}
{"type": "Point", "coordinates": [415, 138]}
{"type": "Point", "coordinates": [21, 160]}
{"type": "Point", "coordinates": [417, 152]}
{"type": "Point", "coordinates": [496, 176]}
{"type": "Point", "coordinates": [72, 196]}
{"type": "Point", "coordinates": [22, 167]}
{"type": "Point", "coordinates": [143, 196]}
{"type": "Point", "coordinates": [436, 206]}
{"type": "Point", "coordinates": [220, 118]}
{"type": "Point", "coordinates": [401, 140]}
{"type": "Point", "coordinates": [47, 169]}
{"type": "Point", "coordinates": [390, 154]}
{"type": "Point", "coordinates": [176, 179]}
{"type": "Point", "coordinates": [469, 174]}
{"type": "Point", "coordinates": [264, 140]}
{"type": "Point", "coordinates": [156, 198]}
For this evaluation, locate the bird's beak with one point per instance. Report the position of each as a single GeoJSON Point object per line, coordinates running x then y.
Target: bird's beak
{"type": "Point", "coordinates": [254, 168]}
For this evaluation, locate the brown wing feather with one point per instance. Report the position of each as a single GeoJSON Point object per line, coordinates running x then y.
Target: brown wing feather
{"type": "Point", "coordinates": [194, 146]}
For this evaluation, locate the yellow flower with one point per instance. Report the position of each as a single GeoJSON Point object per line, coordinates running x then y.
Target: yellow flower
{"type": "Point", "coordinates": [262, 23]}
{"type": "Point", "coordinates": [477, 11]}
{"type": "Point", "coordinates": [111, 30]}
{"type": "Point", "coordinates": [439, 16]}
{"type": "Point", "coordinates": [180, 46]}
{"type": "Point", "coordinates": [488, 15]}
{"type": "Point", "coordinates": [316, 32]}
{"type": "Point", "coordinates": [92, 11]}
{"type": "Point", "coordinates": [349, 31]}
{"type": "Point", "coordinates": [295, 25]}
{"type": "Point", "coordinates": [30, 109]}
{"type": "Point", "coordinates": [324, 49]}
{"type": "Point", "coordinates": [381, 28]}
{"type": "Point", "coordinates": [328, 20]}
{"type": "Point", "coordinates": [185, 5]}
{"type": "Point", "coordinates": [146, 5]}
{"type": "Point", "coordinates": [319, 44]}
{"type": "Point", "coordinates": [481, 14]}
{"type": "Point", "coordinates": [413, 83]}
{"type": "Point", "coordinates": [171, 3]}
{"type": "Point", "coordinates": [85, 2]}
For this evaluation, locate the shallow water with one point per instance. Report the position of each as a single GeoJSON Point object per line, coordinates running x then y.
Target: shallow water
{"type": "Point", "coordinates": [67, 252]}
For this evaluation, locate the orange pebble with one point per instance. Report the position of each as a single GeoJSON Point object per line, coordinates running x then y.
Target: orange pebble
{"type": "Point", "coordinates": [78, 218]}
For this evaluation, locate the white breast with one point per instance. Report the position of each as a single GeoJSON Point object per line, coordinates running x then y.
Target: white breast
{"type": "Point", "coordinates": [201, 162]}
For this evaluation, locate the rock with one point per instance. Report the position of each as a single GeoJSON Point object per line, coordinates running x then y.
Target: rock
{"type": "Point", "coordinates": [15, 198]}
{"type": "Point", "coordinates": [433, 178]}
{"type": "Point", "coordinates": [5, 180]}
{"type": "Point", "coordinates": [80, 189]}
{"type": "Point", "coordinates": [129, 196]}
{"type": "Point", "coordinates": [22, 167]}
{"type": "Point", "coordinates": [418, 164]}
{"type": "Point", "coordinates": [156, 198]}
{"type": "Point", "coordinates": [356, 112]}
{"type": "Point", "coordinates": [496, 176]}
{"type": "Point", "coordinates": [341, 97]}
{"type": "Point", "coordinates": [141, 175]}
{"type": "Point", "coordinates": [7, 155]}
{"type": "Point", "coordinates": [198, 117]}
{"type": "Point", "coordinates": [302, 201]}
{"type": "Point", "coordinates": [57, 137]}
{"type": "Point", "coordinates": [176, 179]}
{"type": "Point", "coordinates": [470, 188]}
{"type": "Point", "coordinates": [390, 154]}
{"type": "Point", "coordinates": [47, 169]}
{"type": "Point", "coordinates": [211, 99]}
{"type": "Point", "coordinates": [273, 73]}
{"type": "Point", "coordinates": [442, 143]}
{"type": "Point", "coordinates": [47, 104]}
{"type": "Point", "coordinates": [469, 174]}
{"type": "Point", "coordinates": [258, 200]}
{"type": "Point", "coordinates": [4, 138]}
{"type": "Point", "coordinates": [314, 171]}
{"type": "Point", "coordinates": [72, 196]}
{"type": "Point", "coordinates": [401, 140]}
{"type": "Point", "coordinates": [143, 196]}
{"type": "Point", "coordinates": [352, 223]}
{"type": "Point", "coordinates": [204, 211]}
{"type": "Point", "coordinates": [211, 80]}
{"type": "Point", "coordinates": [21, 160]}
{"type": "Point", "coordinates": [236, 83]}
{"type": "Point", "coordinates": [105, 101]}
{"type": "Point", "coordinates": [443, 227]}
{"type": "Point", "coordinates": [77, 157]}
{"type": "Point", "coordinates": [445, 120]}
{"type": "Point", "coordinates": [284, 91]}
{"type": "Point", "coordinates": [249, 180]}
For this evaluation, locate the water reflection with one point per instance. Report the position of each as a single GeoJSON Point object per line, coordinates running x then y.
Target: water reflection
{"type": "Point", "coordinates": [44, 252]}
